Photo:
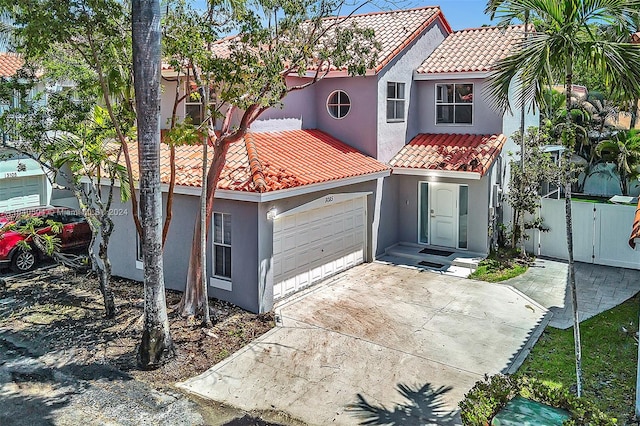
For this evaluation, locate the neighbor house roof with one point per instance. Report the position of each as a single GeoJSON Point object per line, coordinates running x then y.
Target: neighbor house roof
{"type": "Point", "coordinates": [635, 231]}
{"type": "Point", "coordinates": [450, 152]}
{"type": "Point", "coordinates": [270, 162]}
{"type": "Point", "coordinates": [10, 63]}
{"type": "Point", "coordinates": [394, 31]}
{"type": "Point", "coordinates": [473, 50]}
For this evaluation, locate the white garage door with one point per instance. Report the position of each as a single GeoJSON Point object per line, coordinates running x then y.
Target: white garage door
{"type": "Point", "coordinates": [312, 245]}
{"type": "Point", "coordinates": [21, 192]}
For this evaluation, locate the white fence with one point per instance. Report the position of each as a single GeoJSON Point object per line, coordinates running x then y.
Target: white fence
{"type": "Point", "coordinates": [600, 233]}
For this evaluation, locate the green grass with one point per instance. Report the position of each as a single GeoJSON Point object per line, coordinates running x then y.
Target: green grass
{"type": "Point", "coordinates": [499, 266]}
{"type": "Point", "coordinates": [494, 275]}
{"type": "Point", "coordinates": [609, 359]}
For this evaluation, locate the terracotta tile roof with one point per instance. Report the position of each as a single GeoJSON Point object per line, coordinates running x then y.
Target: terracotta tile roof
{"type": "Point", "coordinates": [450, 152]}
{"type": "Point", "coordinates": [270, 161]}
{"type": "Point", "coordinates": [10, 63]}
{"type": "Point", "coordinates": [394, 30]}
{"type": "Point", "coordinates": [635, 231]}
{"type": "Point", "coordinates": [476, 49]}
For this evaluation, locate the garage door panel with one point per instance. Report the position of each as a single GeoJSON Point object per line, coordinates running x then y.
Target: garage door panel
{"type": "Point", "coordinates": [323, 242]}
{"type": "Point", "coordinates": [22, 192]}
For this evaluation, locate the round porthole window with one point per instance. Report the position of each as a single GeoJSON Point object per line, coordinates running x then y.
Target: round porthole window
{"type": "Point", "coordinates": [338, 104]}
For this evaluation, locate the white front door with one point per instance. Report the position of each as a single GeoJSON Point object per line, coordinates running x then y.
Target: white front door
{"type": "Point", "coordinates": [443, 211]}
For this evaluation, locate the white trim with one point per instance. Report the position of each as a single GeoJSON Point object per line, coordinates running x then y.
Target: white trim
{"type": "Point", "coordinates": [395, 101]}
{"type": "Point", "coordinates": [139, 265]}
{"type": "Point", "coordinates": [451, 75]}
{"type": "Point", "coordinates": [436, 173]}
{"type": "Point", "coordinates": [323, 201]}
{"type": "Point", "coordinates": [220, 283]}
{"type": "Point", "coordinates": [431, 186]}
{"type": "Point", "coordinates": [339, 104]}
{"type": "Point", "coordinates": [256, 197]}
{"type": "Point", "coordinates": [333, 74]}
{"type": "Point", "coordinates": [221, 244]}
{"type": "Point", "coordinates": [454, 104]}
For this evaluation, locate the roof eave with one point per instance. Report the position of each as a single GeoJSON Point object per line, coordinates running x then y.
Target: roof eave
{"type": "Point", "coordinates": [460, 75]}
{"type": "Point", "coordinates": [257, 197]}
{"type": "Point", "coordinates": [414, 171]}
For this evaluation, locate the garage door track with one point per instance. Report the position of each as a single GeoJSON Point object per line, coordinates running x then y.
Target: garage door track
{"type": "Point", "coordinates": [381, 343]}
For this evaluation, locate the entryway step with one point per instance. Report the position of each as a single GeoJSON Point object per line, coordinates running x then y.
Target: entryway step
{"type": "Point", "coordinates": [439, 259]}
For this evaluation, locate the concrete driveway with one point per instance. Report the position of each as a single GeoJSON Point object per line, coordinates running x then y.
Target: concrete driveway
{"type": "Point", "coordinates": [379, 342]}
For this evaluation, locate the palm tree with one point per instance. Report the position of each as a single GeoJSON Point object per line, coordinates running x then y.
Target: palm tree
{"type": "Point", "coordinates": [624, 150]}
{"type": "Point", "coordinates": [550, 55]}
{"type": "Point", "coordinates": [156, 345]}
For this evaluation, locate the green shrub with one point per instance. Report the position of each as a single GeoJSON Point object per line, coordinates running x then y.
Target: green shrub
{"type": "Point", "coordinates": [487, 397]}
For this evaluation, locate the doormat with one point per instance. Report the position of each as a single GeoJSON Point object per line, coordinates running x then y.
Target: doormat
{"type": "Point", "coordinates": [431, 264]}
{"type": "Point", "coordinates": [436, 252]}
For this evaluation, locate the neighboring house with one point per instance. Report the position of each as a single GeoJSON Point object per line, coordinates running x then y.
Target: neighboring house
{"type": "Point", "coordinates": [411, 153]}
{"type": "Point", "coordinates": [23, 183]}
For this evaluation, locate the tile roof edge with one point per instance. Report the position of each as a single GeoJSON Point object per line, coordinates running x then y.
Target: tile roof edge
{"type": "Point", "coordinates": [491, 27]}
{"type": "Point", "coordinates": [257, 173]}
{"type": "Point", "coordinates": [382, 12]}
{"type": "Point", "coordinates": [413, 36]}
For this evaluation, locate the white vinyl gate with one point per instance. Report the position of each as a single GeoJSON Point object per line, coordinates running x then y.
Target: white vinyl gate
{"type": "Point", "coordinates": [600, 233]}
{"type": "Point", "coordinates": [317, 242]}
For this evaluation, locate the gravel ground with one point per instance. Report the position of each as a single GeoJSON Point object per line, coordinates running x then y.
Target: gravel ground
{"type": "Point", "coordinates": [62, 363]}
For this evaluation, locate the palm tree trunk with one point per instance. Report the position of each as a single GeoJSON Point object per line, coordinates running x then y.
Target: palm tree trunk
{"type": "Point", "coordinates": [569, 225]}
{"type": "Point", "coordinates": [156, 345]}
{"type": "Point", "coordinates": [522, 143]}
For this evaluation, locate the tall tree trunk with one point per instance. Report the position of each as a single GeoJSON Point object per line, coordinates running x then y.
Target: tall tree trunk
{"type": "Point", "coordinates": [522, 142]}
{"type": "Point", "coordinates": [105, 271]}
{"type": "Point", "coordinates": [100, 261]}
{"type": "Point", "coordinates": [569, 222]}
{"type": "Point", "coordinates": [156, 345]}
{"type": "Point", "coordinates": [206, 316]}
{"type": "Point", "coordinates": [192, 299]}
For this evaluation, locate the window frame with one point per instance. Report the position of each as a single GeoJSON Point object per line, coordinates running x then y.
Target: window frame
{"type": "Point", "coordinates": [454, 103]}
{"type": "Point", "coordinates": [339, 104]}
{"type": "Point", "coordinates": [221, 244]}
{"type": "Point", "coordinates": [188, 102]}
{"type": "Point", "coordinates": [397, 100]}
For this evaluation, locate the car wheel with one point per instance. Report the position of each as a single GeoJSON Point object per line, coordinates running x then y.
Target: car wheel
{"type": "Point", "coordinates": [24, 260]}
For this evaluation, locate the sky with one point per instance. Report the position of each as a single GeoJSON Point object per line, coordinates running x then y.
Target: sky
{"type": "Point", "coordinates": [461, 14]}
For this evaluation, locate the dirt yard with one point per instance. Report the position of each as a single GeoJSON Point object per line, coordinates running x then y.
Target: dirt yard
{"type": "Point", "coordinates": [62, 362]}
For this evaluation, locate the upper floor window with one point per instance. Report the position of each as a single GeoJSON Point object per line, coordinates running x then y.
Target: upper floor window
{"type": "Point", "coordinates": [454, 103]}
{"type": "Point", "coordinates": [338, 104]}
{"type": "Point", "coordinates": [193, 103]}
{"type": "Point", "coordinates": [395, 101]}
{"type": "Point", "coordinates": [222, 245]}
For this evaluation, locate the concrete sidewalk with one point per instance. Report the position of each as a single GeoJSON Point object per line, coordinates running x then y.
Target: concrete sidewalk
{"type": "Point", "coordinates": [599, 288]}
{"type": "Point", "coordinates": [382, 343]}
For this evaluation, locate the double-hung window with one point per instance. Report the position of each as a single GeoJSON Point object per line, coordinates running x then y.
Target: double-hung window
{"type": "Point", "coordinates": [454, 103]}
{"type": "Point", "coordinates": [395, 101]}
{"type": "Point", "coordinates": [193, 103]}
{"type": "Point", "coordinates": [222, 245]}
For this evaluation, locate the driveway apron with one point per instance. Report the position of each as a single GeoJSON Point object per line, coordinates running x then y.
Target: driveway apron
{"type": "Point", "coordinates": [378, 342]}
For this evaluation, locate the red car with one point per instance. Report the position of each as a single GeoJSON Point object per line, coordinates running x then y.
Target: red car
{"type": "Point", "coordinates": [75, 235]}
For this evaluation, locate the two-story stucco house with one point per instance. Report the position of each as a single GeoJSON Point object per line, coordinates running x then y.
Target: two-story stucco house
{"type": "Point", "coordinates": [23, 183]}
{"type": "Point", "coordinates": [410, 153]}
